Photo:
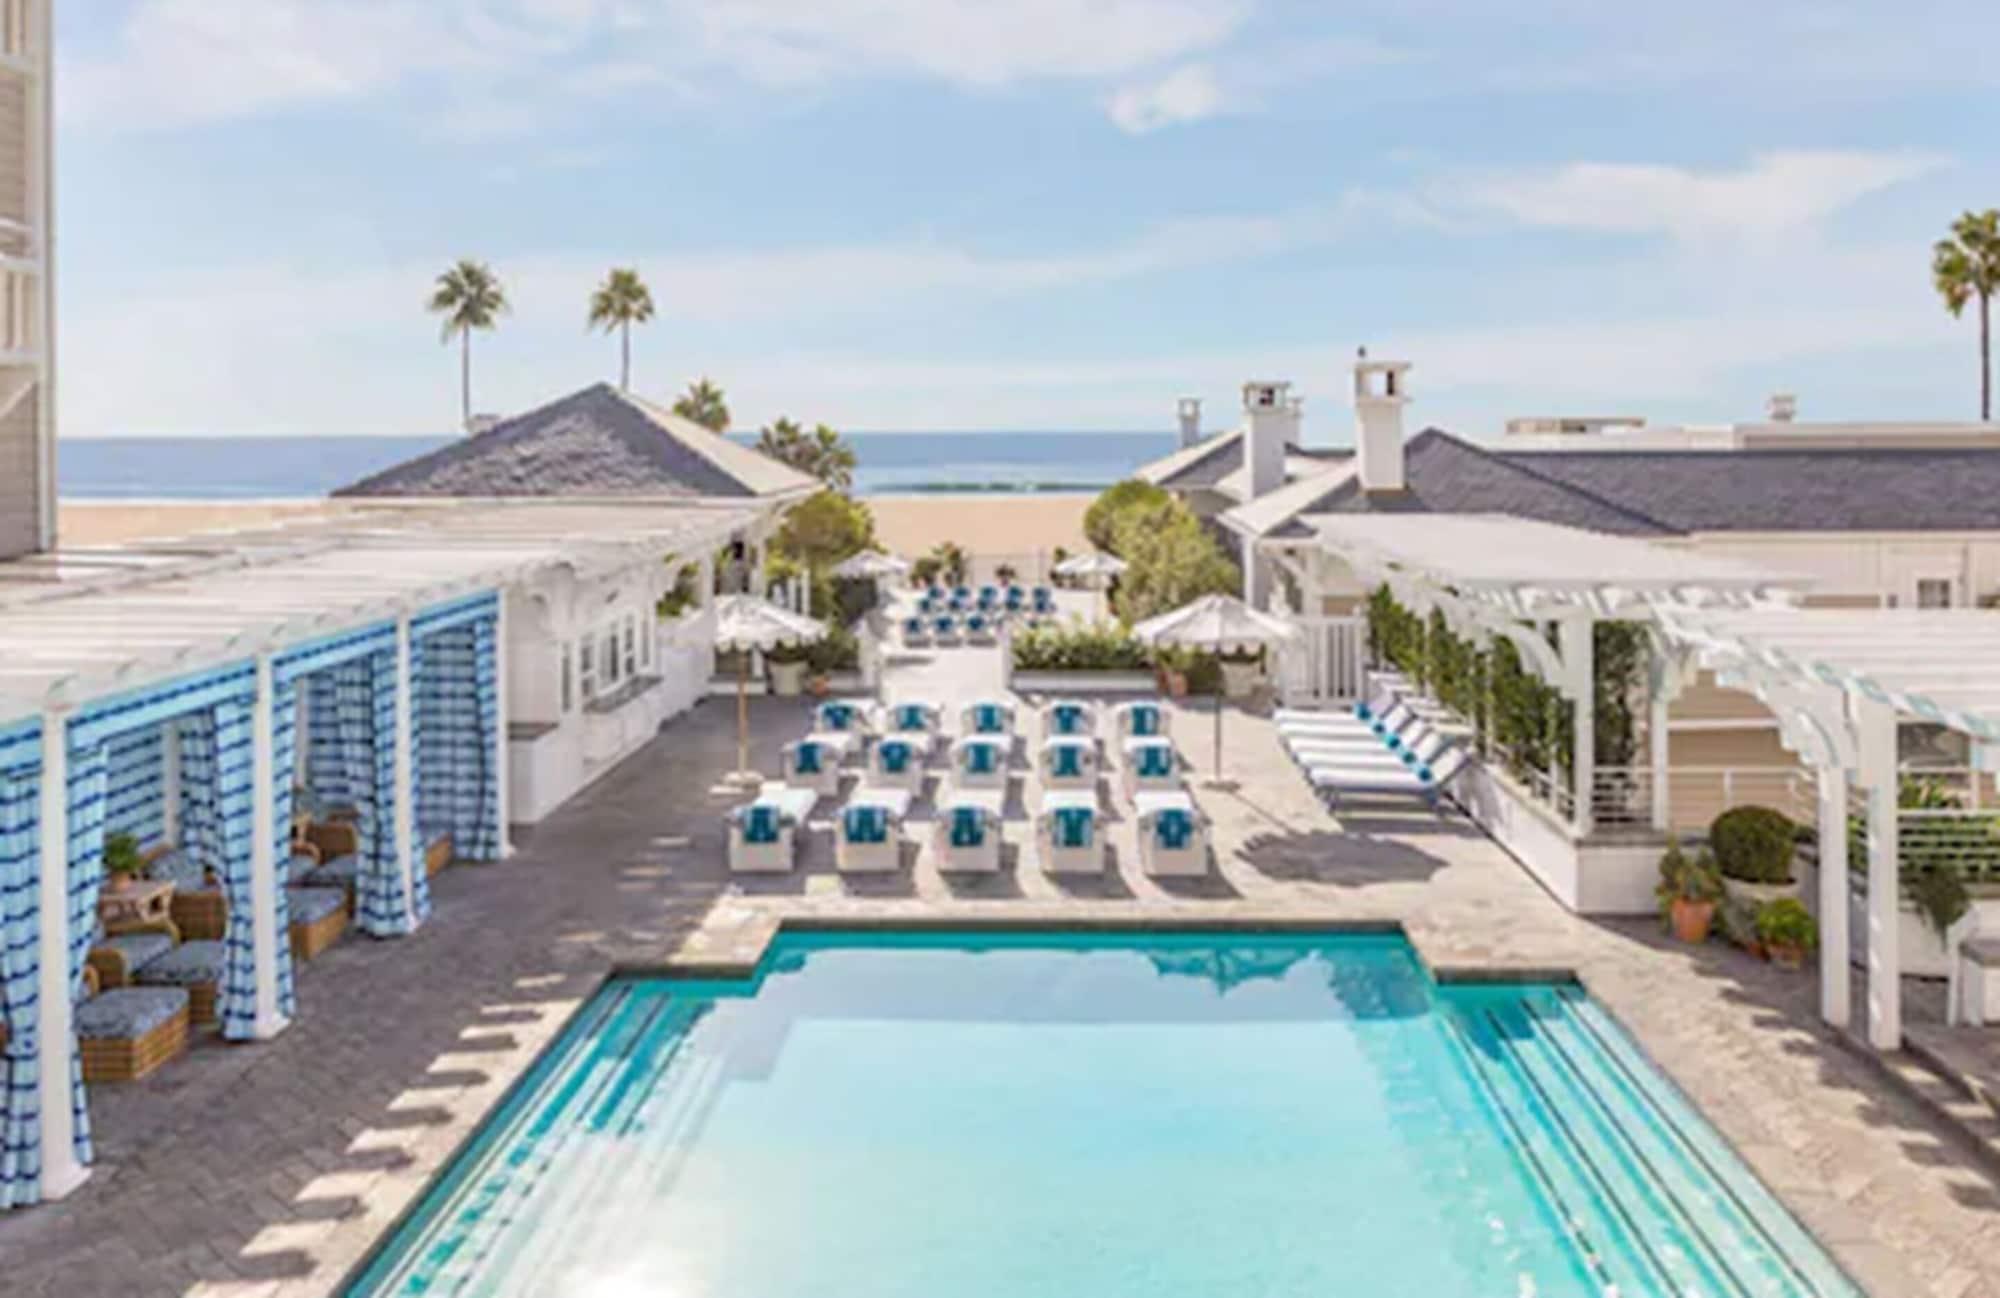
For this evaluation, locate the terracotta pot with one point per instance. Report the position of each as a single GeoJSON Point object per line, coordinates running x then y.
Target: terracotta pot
{"type": "Point", "coordinates": [821, 686]}
{"type": "Point", "coordinates": [1177, 685]}
{"type": "Point", "coordinates": [1692, 919]}
{"type": "Point", "coordinates": [1788, 957]}
{"type": "Point", "coordinates": [121, 882]}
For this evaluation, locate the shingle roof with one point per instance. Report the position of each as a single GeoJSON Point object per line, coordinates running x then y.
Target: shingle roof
{"type": "Point", "coordinates": [1203, 464]}
{"type": "Point", "coordinates": [596, 442]}
{"type": "Point", "coordinates": [1666, 493]}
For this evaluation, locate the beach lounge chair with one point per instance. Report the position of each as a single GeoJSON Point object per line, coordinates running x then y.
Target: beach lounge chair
{"type": "Point", "coordinates": [1427, 782]}
{"type": "Point", "coordinates": [840, 717]}
{"type": "Point", "coordinates": [319, 916]}
{"type": "Point", "coordinates": [981, 629]}
{"type": "Point", "coordinates": [986, 717]}
{"type": "Point", "coordinates": [811, 763]}
{"type": "Point", "coordinates": [1014, 598]}
{"type": "Point", "coordinates": [118, 958]}
{"type": "Point", "coordinates": [1424, 747]}
{"type": "Point", "coordinates": [989, 598]}
{"type": "Point", "coordinates": [1043, 601]}
{"type": "Point", "coordinates": [917, 722]}
{"type": "Point", "coordinates": [979, 762]}
{"type": "Point", "coordinates": [868, 836]}
{"type": "Point", "coordinates": [1173, 836]}
{"type": "Point", "coordinates": [916, 632]}
{"type": "Point", "coordinates": [124, 1033]}
{"type": "Point", "coordinates": [1150, 766]}
{"type": "Point", "coordinates": [944, 630]}
{"type": "Point", "coordinates": [1144, 719]}
{"type": "Point", "coordinates": [1068, 764]}
{"type": "Point", "coordinates": [1069, 833]}
{"type": "Point", "coordinates": [967, 836]}
{"type": "Point", "coordinates": [897, 762]}
{"type": "Point", "coordinates": [764, 834]}
{"type": "Point", "coordinates": [1069, 719]}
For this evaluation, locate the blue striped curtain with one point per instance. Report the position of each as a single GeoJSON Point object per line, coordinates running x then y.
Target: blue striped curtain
{"type": "Point", "coordinates": [420, 879]}
{"type": "Point", "coordinates": [284, 741]}
{"type": "Point", "coordinates": [368, 733]}
{"type": "Point", "coordinates": [135, 791]}
{"type": "Point", "coordinates": [20, 985]}
{"type": "Point", "coordinates": [328, 772]}
{"type": "Point", "coordinates": [201, 825]}
{"type": "Point", "coordinates": [458, 711]}
{"type": "Point", "coordinates": [219, 740]}
{"type": "Point", "coordinates": [85, 879]}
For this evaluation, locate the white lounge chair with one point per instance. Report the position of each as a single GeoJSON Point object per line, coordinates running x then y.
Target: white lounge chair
{"type": "Point", "coordinates": [979, 762]}
{"type": "Point", "coordinates": [1068, 764]}
{"type": "Point", "coordinates": [1429, 783]}
{"type": "Point", "coordinates": [1173, 836]}
{"type": "Point", "coordinates": [764, 834]}
{"type": "Point", "coordinates": [1424, 749]}
{"type": "Point", "coordinates": [916, 632]}
{"type": "Point", "coordinates": [981, 628]}
{"type": "Point", "coordinates": [812, 763]}
{"type": "Point", "coordinates": [944, 630]}
{"type": "Point", "coordinates": [897, 762]}
{"type": "Point", "coordinates": [868, 836]}
{"type": "Point", "coordinates": [967, 837]}
{"type": "Point", "coordinates": [1069, 719]}
{"type": "Point", "coordinates": [1396, 717]}
{"type": "Point", "coordinates": [991, 717]}
{"type": "Point", "coordinates": [1150, 766]}
{"type": "Point", "coordinates": [1069, 833]}
{"type": "Point", "coordinates": [840, 717]}
{"type": "Point", "coordinates": [917, 722]}
{"type": "Point", "coordinates": [1144, 719]}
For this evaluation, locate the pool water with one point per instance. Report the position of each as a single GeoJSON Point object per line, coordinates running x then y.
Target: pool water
{"type": "Point", "coordinates": [1055, 1115]}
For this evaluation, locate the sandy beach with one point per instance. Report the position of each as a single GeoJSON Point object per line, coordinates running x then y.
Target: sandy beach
{"type": "Point", "coordinates": [990, 525]}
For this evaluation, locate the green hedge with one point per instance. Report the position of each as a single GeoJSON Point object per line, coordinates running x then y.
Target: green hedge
{"type": "Point", "coordinates": [1101, 648]}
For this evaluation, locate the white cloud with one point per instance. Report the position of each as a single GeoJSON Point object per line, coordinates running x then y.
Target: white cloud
{"type": "Point", "coordinates": [1186, 94]}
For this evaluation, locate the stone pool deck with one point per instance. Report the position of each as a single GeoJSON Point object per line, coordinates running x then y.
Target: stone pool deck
{"type": "Point", "coordinates": [272, 1169]}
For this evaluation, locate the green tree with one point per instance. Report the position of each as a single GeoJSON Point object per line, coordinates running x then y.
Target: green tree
{"type": "Point", "coordinates": [820, 531]}
{"type": "Point", "coordinates": [823, 453]}
{"type": "Point", "coordinates": [1100, 521]}
{"type": "Point", "coordinates": [1967, 266]}
{"type": "Point", "coordinates": [620, 302]}
{"type": "Point", "coordinates": [704, 404]}
{"type": "Point", "coordinates": [1171, 560]}
{"type": "Point", "coordinates": [468, 296]}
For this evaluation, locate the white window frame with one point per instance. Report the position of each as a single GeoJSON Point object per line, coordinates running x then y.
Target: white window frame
{"type": "Point", "coordinates": [567, 683]}
{"type": "Point", "coordinates": [586, 669]}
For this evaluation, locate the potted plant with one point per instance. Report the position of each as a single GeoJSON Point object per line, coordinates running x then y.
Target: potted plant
{"type": "Point", "coordinates": [1755, 849]}
{"type": "Point", "coordinates": [122, 861]}
{"type": "Point", "coordinates": [788, 669]}
{"type": "Point", "coordinates": [1688, 891]}
{"type": "Point", "coordinates": [1242, 669]}
{"type": "Point", "coordinates": [1787, 931]}
{"type": "Point", "coordinates": [1171, 669]}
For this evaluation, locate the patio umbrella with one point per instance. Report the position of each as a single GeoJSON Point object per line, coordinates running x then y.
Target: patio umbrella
{"type": "Point", "coordinates": [1097, 566]}
{"type": "Point", "coordinates": [1218, 624]}
{"type": "Point", "coordinates": [872, 564]}
{"type": "Point", "coordinates": [744, 623]}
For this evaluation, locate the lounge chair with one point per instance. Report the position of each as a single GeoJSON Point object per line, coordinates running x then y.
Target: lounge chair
{"type": "Point", "coordinates": [811, 763]}
{"type": "Point", "coordinates": [840, 717]}
{"type": "Point", "coordinates": [1141, 720]}
{"type": "Point", "coordinates": [897, 762]}
{"type": "Point", "coordinates": [944, 629]}
{"type": "Point", "coordinates": [1015, 599]}
{"type": "Point", "coordinates": [1150, 766]}
{"type": "Point", "coordinates": [199, 907]}
{"type": "Point", "coordinates": [124, 1033]}
{"type": "Point", "coordinates": [1068, 764]}
{"type": "Point", "coordinates": [1173, 836]}
{"type": "Point", "coordinates": [1069, 832]}
{"type": "Point", "coordinates": [967, 836]}
{"type": "Point", "coordinates": [990, 717]}
{"type": "Point", "coordinates": [979, 762]}
{"type": "Point", "coordinates": [1069, 718]}
{"type": "Point", "coordinates": [918, 723]}
{"type": "Point", "coordinates": [118, 958]}
{"type": "Point", "coordinates": [319, 910]}
{"type": "Point", "coordinates": [193, 967]}
{"type": "Point", "coordinates": [916, 632]}
{"type": "Point", "coordinates": [764, 834]}
{"type": "Point", "coordinates": [868, 834]}
{"type": "Point", "coordinates": [980, 629]}
{"type": "Point", "coordinates": [1044, 601]}
{"type": "Point", "coordinates": [1425, 746]}
{"type": "Point", "coordinates": [989, 598]}
{"type": "Point", "coordinates": [1428, 782]}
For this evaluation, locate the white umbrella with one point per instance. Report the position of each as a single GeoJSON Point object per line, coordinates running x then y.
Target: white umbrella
{"type": "Point", "coordinates": [1103, 567]}
{"type": "Point", "coordinates": [872, 563]}
{"type": "Point", "coordinates": [1218, 624]}
{"type": "Point", "coordinates": [744, 623]}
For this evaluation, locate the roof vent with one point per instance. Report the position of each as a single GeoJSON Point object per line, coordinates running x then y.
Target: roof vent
{"type": "Point", "coordinates": [1782, 408]}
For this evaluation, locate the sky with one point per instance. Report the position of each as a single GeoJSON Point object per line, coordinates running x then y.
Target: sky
{"type": "Point", "coordinates": [1008, 214]}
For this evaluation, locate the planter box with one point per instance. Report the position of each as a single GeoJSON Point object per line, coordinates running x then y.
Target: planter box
{"type": "Point", "coordinates": [1240, 680]}
{"type": "Point", "coordinates": [788, 680]}
{"type": "Point", "coordinates": [1085, 682]}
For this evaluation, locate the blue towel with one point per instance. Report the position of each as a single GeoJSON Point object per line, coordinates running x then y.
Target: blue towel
{"type": "Point", "coordinates": [982, 758]}
{"type": "Point", "coordinates": [1156, 760]}
{"type": "Point", "coordinates": [968, 827]}
{"type": "Point", "coordinates": [760, 822]}
{"type": "Point", "coordinates": [1015, 597]}
{"type": "Point", "coordinates": [1068, 718]}
{"type": "Point", "coordinates": [1174, 827]}
{"type": "Point", "coordinates": [867, 824]}
{"type": "Point", "coordinates": [1066, 760]}
{"type": "Point", "coordinates": [913, 626]}
{"type": "Point", "coordinates": [1044, 601]}
{"type": "Point", "coordinates": [1146, 721]}
{"type": "Point", "coordinates": [989, 719]}
{"type": "Point", "coordinates": [1073, 826]}
{"type": "Point", "coordinates": [805, 758]}
{"type": "Point", "coordinates": [975, 624]}
{"type": "Point", "coordinates": [836, 716]}
{"type": "Point", "coordinates": [895, 756]}
{"type": "Point", "coordinates": [913, 716]}
{"type": "Point", "coordinates": [946, 626]}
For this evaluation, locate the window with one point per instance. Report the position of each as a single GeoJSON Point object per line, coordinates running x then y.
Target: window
{"type": "Point", "coordinates": [586, 669]}
{"type": "Point", "coordinates": [631, 647]}
{"type": "Point", "coordinates": [568, 687]}
{"type": "Point", "coordinates": [612, 674]}
{"type": "Point", "coordinates": [1933, 592]}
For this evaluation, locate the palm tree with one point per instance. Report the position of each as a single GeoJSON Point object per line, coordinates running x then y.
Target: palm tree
{"type": "Point", "coordinates": [823, 453]}
{"type": "Point", "coordinates": [469, 297]}
{"type": "Point", "coordinates": [703, 403]}
{"type": "Point", "coordinates": [1965, 266]}
{"type": "Point", "coordinates": [621, 301]}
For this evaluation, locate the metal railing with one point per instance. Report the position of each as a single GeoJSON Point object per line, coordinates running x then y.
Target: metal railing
{"type": "Point", "coordinates": [1622, 796]}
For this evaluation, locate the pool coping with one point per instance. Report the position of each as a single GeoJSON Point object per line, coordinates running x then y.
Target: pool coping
{"type": "Point", "coordinates": [696, 969]}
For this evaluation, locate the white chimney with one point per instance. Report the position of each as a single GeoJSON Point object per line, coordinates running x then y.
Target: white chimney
{"type": "Point", "coordinates": [1269, 417]}
{"type": "Point", "coordinates": [1380, 393]}
{"type": "Point", "coordinates": [1190, 416]}
{"type": "Point", "coordinates": [1783, 407]}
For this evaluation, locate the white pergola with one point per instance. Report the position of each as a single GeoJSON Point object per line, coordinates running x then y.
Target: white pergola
{"type": "Point", "coordinates": [1839, 681]}
{"type": "Point", "coordinates": [1495, 575]}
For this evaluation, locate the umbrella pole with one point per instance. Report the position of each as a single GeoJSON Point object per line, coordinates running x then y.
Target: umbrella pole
{"type": "Point", "coordinates": [1218, 731]}
{"type": "Point", "coordinates": [743, 714]}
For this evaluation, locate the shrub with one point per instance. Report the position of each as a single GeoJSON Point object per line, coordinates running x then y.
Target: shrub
{"type": "Point", "coordinates": [1940, 896]}
{"type": "Point", "coordinates": [838, 651]}
{"type": "Point", "coordinates": [1754, 844]}
{"type": "Point", "coordinates": [1100, 521]}
{"type": "Point", "coordinates": [121, 855]}
{"type": "Point", "coordinates": [1100, 648]}
{"type": "Point", "coordinates": [1687, 878]}
{"type": "Point", "coordinates": [1785, 922]}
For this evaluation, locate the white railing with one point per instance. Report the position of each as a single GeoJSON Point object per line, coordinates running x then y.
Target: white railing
{"type": "Point", "coordinates": [20, 306]}
{"type": "Point", "coordinates": [1329, 662]}
{"type": "Point", "coordinates": [1621, 797]}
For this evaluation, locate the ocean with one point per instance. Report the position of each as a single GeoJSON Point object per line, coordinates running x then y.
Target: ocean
{"type": "Point", "coordinates": [250, 468]}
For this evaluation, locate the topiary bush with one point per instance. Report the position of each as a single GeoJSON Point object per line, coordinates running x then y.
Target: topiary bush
{"type": "Point", "coordinates": [1754, 844]}
{"type": "Point", "coordinates": [1101, 648]}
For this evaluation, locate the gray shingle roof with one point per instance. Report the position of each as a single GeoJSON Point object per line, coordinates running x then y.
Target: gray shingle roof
{"type": "Point", "coordinates": [596, 442]}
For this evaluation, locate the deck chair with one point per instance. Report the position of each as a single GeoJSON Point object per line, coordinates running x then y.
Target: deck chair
{"type": "Point", "coordinates": [1427, 783]}
{"type": "Point", "coordinates": [1069, 833]}
{"type": "Point", "coordinates": [868, 836]}
{"type": "Point", "coordinates": [916, 632]}
{"type": "Point", "coordinates": [1068, 764]}
{"type": "Point", "coordinates": [1069, 719]}
{"type": "Point", "coordinates": [944, 630]}
{"type": "Point", "coordinates": [897, 762]}
{"type": "Point", "coordinates": [764, 834]}
{"type": "Point", "coordinates": [967, 836]}
{"type": "Point", "coordinates": [989, 717]}
{"type": "Point", "coordinates": [1173, 836]}
{"type": "Point", "coordinates": [1144, 719]}
{"type": "Point", "coordinates": [811, 763]}
{"type": "Point", "coordinates": [1150, 766]}
{"type": "Point", "coordinates": [918, 723]}
{"type": "Point", "coordinates": [981, 629]}
{"type": "Point", "coordinates": [979, 762]}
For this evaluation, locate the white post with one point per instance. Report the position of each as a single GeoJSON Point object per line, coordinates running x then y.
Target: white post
{"type": "Point", "coordinates": [1575, 642]}
{"type": "Point", "coordinates": [1835, 983]}
{"type": "Point", "coordinates": [170, 781]}
{"type": "Point", "coordinates": [406, 812]}
{"type": "Point", "coordinates": [62, 1172]}
{"type": "Point", "coordinates": [264, 935]}
{"type": "Point", "coordinates": [1658, 755]}
{"type": "Point", "coordinates": [501, 774]}
{"type": "Point", "coordinates": [1875, 725]}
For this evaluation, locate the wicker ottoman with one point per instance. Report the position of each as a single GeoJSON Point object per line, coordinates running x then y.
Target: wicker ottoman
{"type": "Point", "coordinates": [118, 959]}
{"type": "Point", "coordinates": [126, 1033]}
{"type": "Point", "coordinates": [319, 917]}
{"type": "Point", "coordinates": [437, 852]}
{"type": "Point", "coordinates": [340, 873]}
{"type": "Point", "coordinates": [195, 967]}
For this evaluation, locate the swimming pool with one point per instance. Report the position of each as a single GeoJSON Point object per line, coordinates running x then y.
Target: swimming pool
{"type": "Point", "coordinates": [1060, 1114]}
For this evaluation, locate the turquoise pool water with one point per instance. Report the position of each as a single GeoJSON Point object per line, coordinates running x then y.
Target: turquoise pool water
{"type": "Point", "coordinates": [1058, 1115]}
